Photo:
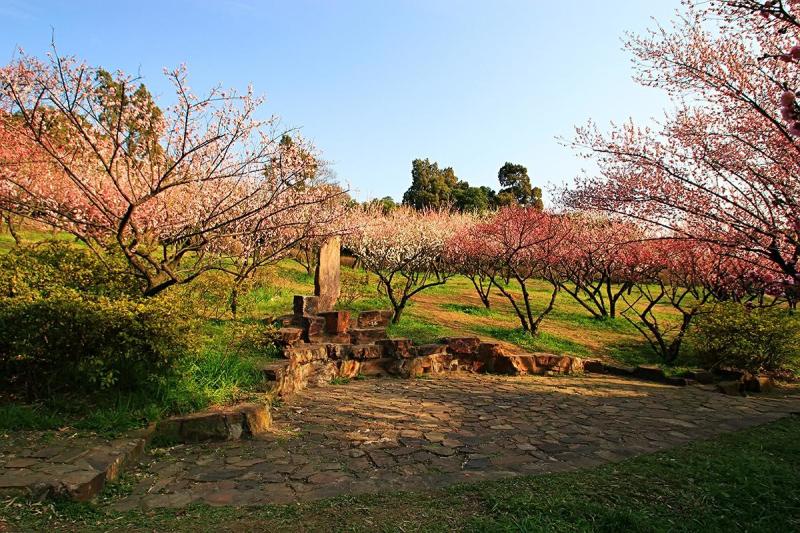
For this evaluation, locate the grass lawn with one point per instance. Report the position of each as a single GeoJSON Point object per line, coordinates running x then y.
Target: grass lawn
{"type": "Point", "coordinates": [749, 481]}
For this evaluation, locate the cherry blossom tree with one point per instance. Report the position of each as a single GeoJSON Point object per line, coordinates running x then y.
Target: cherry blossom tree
{"type": "Point", "coordinates": [684, 276]}
{"type": "Point", "coordinates": [465, 255]}
{"type": "Point", "coordinates": [722, 169]}
{"type": "Point", "coordinates": [404, 248]}
{"type": "Point", "coordinates": [166, 189]}
{"type": "Point", "coordinates": [597, 264]}
{"type": "Point", "coordinates": [514, 247]}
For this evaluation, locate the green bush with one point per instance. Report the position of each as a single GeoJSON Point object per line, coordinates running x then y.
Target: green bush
{"type": "Point", "coordinates": [72, 321]}
{"type": "Point", "coordinates": [75, 342]}
{"type": "Point", "coordinates": [42, 268]}
{"type": "Point", "coordinates": [733, 335]}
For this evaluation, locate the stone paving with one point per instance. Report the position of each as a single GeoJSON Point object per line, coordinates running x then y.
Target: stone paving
{"type": "Point", "coordinates": [386, 434]}
{"type": "Point", "coordinates": [41, 464]}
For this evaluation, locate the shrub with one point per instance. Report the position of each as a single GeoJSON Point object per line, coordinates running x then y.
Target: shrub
{"type": "Point", "coordinates": [757, 339]}
{"type": "Point", "coordinates": [41, 268]}
{"type": "Point", "coordinates": [75, 342]}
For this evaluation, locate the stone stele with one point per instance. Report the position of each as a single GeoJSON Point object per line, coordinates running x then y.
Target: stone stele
{"type": "Point", "coordinates": [327, 279]}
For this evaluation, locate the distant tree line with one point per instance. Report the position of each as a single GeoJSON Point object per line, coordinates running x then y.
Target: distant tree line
{"type": "Point", "coordinates": [439, 188]}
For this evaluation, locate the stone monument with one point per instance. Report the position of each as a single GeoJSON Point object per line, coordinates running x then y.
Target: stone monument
{"type": "Point", "coordinates": [327, 277]}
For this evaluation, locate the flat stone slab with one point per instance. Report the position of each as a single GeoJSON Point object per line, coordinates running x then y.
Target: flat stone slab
{"type": "Point", "coordinates": [377, 435]}
{"type": "Point", "coordinates": [74, 468]}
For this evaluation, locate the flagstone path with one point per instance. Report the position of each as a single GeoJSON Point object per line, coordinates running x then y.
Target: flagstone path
{"type": "Point", "coordinates": [385, 434]}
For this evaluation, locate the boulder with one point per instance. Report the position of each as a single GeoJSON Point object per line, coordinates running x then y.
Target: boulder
{"type": "Point", "coordinates": [430, 349]}
{"type": "Point", "coordinates": [327, 282]}
{"type": "Point", "coordinates": [488, 352]}
{"type": "Point", "coordinates": [594, 367]}
{"type": "Point", "coordinates": [623, 371]}
{"type": "Point", "coordinates": [376, 367]}
{"type": "Point", "coordinates": [374, 319]}
{"type": "Point", "coordinates": [732, 388]}
{"type": "Point", "coordinates": [322, 372]}
{"type": "Point", "coordinates": [337, 350]}
{"type": "Point", "coordinates": [245, 420]}
{"type": "Point", "coordinates": [430, 364]}
{"type": "Point", "coordinates": [758, 383]}
{"type": "Point", "coordinates": [397, 348]}
{"type": "Point", "coordinates": [288, 336]}
{"type": "Point", "coordinates": [349, 368]}
{"type": "Point", "coordinates": [676, 381]}
{"type": "Point", "coordinates": [362, 352]}
{"type": "Point", "coordinates": [462, 345]}
{"type": "Point", "coordinates": [300, 354]}
{"type": "Point", "coordinates": [649, 373]}
{"type": "Point", "coordinates": [367, 335]}
{"type": "Point", "coordinates": [515, 365]}
{"type": "Point", "coordinates": [305, 305]}
{"type": "Point", "coordinates": [704, 377]}
{"type": "Point", "coordinates": [558, 364]}
{"type": "Point", "coordinates": [336, 322]}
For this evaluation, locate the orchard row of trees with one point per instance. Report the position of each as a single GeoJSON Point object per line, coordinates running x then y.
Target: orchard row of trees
{"type": "Point", "coordinates": [611, 267]}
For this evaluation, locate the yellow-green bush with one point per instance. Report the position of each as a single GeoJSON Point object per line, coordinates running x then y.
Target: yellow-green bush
{"type": "Point", "coordinates": [71, 321]}
{"type": "Point", "coordinates": [753, 339]}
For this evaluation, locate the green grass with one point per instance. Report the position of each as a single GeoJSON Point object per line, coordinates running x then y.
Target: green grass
{"type": "Point", "coordinates": [15, 417]}
{"type": "Point", "coordinates": [418, 330]}
{"type": "Point", "coordinates": [748, 481]}
{"type": "Point", "coordinates": [541, 342]}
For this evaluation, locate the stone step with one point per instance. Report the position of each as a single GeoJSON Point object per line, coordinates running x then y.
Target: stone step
{"type": "Point", "coordinates": [69, 473]}
{"type": "Point", "coordinates": [231, 423]}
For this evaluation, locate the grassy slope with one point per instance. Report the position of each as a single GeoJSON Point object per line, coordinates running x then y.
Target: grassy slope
{"type": "Point", "coordinates": [748, 481]}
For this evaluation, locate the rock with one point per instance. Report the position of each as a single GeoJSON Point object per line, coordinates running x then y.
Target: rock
{"type": "Point", "coordinates": [376, 367]}
{"type": "Point", "coordinates": [649, 373]}
{"type": "Point", "coordinates": [704, 377]}
{"type": "Point", "coordinates": [732, 388]}
{"type": "Point", "coordinates": [362, 352]}
{"type": "Point", "coordinates": [305, 353]}
{"type": "Point", "coordinates": [322, 372]}
{"type": "Point", "coordinates": [349, 368]}
{"type": "Point", "coordinates": [230, 424]}
{"type": "Point", "coordinates": [398, 348]}
{"type": "Point", "coordinates": [488, 352]}
{"type": "Point", "coordinates": [594, 367]}
{"type": "Point", "coordinates": [336, 322]}
{"type": "Point", "coordinates": [367, 335]}
{"type": "Point", "coordinates": [313, 328]}
{"type": "Point", "coordinates": [327, 282]}
{"type": "Point", "coordinates": [287, 321]}
{"type": "Point", "coordinates": [374, 319]}
{"type": "Point", "coordinates": [624, 371]}
{"type": "Point", "coordinates": [306, 305]}
{"type": "Point", "coordinates": [337, 350]}
{"type": "Point", "coordinates": [429, 364]}
{"type": "Point", "coordinates": [676, 381]}
{"type": "Point", "coordinates": [560, 364]}
{"type": "Point", "coordinates": [430, 349]}
{"type": "Point", "coordinates": [758, 383]}
{"type": "Point", "coordinates": [288, 336]}
{"type": "Point", "coordinates": [462, 345]}
{"type": "Point", "coordinates": [514, 365]}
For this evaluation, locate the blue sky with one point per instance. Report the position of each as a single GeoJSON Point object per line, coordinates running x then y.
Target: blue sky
{"type": "Point", "coordinates": [376, 84]}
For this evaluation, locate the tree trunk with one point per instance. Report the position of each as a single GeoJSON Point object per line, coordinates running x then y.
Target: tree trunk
{"type": "Point", "coordinates": [234, 302]}
{"type": "Point", "coordinates": [12, 230]}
